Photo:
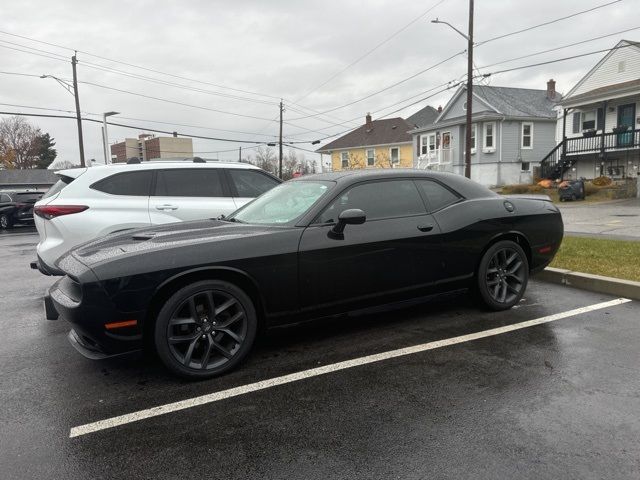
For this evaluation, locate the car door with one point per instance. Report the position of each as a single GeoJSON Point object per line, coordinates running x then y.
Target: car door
{"type": "Point", "coordinates": [183, 194]}
{"type": "Point", "coordinates": [393, 256]}
{"type": "Point", "coordinates": [247, 184]}
{"type": "Point", "coordinates": [120, 202]}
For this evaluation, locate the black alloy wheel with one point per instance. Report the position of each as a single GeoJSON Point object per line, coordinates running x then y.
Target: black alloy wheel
{"type": "Point", "coordinates": [205, 329]}
{"type": "Point", "coordinates": [5, 223]}
{"type": "Point", "coordinates": [503, 275]}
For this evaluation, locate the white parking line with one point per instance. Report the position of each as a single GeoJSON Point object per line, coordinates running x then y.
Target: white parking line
{"type": "Point", "coordinates": [314, 372]}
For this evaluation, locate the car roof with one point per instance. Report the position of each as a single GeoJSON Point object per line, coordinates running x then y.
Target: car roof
{"type": "Point", "coordinates": [156, 165]}
{"type": "Point", "coordinates": [459, 183]}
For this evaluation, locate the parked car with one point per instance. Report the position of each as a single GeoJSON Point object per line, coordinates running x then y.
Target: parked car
{"type": "Point", "coordinates": [315, 246]}
{"type": "Point", "coordinates": [88, 203]}
{"type": "Point", "coordinates": [16, 207]}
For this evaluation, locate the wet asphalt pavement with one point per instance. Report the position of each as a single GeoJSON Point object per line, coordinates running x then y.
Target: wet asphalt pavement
{"type": "Point", "coordinates": [557, 400]}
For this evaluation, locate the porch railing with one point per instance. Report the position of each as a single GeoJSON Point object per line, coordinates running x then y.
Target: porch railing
{"type": "Point", "coordinates": [565, 154]}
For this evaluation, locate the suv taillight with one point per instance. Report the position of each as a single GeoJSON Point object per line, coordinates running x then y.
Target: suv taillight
{"type": "Point", "coordinates": [52, 211]}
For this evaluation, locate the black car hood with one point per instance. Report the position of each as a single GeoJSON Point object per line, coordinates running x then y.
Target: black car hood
{"type": "Point", "coordinates": [167, 237]}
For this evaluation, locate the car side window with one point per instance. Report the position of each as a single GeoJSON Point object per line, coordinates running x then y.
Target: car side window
{"type": "Point", "coordinates": [128, 183]}
{"type": "Point", "coordinates": [193, 182]}
{"type": "Point", "coordinates": [384, 199]}
{"type": "Point", "coordinates": [251, 183]}
{"type": "Point", "coordinates": [437, 195]}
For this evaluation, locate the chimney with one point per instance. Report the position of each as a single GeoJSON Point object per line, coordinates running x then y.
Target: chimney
{"type": "Point", "coordinates": [368, 120]}
{"type": "Point", "coordinates": [551, 89]}
{"type": "Point", "coordinates": [439, 108]}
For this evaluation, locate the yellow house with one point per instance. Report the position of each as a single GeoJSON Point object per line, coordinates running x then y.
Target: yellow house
{"type": "Point", "coordinates": [376, 144]}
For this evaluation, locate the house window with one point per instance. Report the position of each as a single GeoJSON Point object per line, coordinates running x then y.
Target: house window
{"type": "Point", "coordinates": [489, 136]}
{"type": "Point", "coordinates": [589, 120]}
{"type": "Point", "coordinates": [526, 166]}
{"type": "Point", "coordinates": [394, 152]}
{"type": "Point", "coordinates": [432, 142]}
{"type": "Point", "coordinates": [371, 157]}
{"type": "Point", "coordinates": [345, 159]}
{"type": "Point", "coordinates": [424, 144]}
{"type": "Point", "coordinates": [527, 135]}
{"type": "Point", "coordinates": [474, 131]}
{"type": "Point", "coordinates": [576, 122]}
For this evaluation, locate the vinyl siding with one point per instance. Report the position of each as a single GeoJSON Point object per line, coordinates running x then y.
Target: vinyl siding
{"type": "Point", "coordinates": [607, 73]}
{"type": "Point", "coordinates": [456, 110]}
{"type": "Point", "coordinates": [359, 158]}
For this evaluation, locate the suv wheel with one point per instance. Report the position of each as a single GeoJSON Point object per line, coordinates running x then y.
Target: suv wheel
{"type": "Point", "coordinates": [5, 221]}
{"type": "Point", "coordinates": [503, 275]}
{"type": "Point", "coordinates": [205, 329]}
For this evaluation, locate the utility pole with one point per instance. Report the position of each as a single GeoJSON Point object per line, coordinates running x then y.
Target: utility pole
{"type": "Point", "coordinates": [467, 153]}
{"type": "Point", "coordinates": [280, 142]}
{"type": "Point", "coordinates": [240, 154]}
{"type": "Point", "coordinates": [74, 61]}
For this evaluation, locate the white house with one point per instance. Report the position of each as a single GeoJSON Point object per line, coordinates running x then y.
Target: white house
{"type": "Point", "coordinates": [598, 126]}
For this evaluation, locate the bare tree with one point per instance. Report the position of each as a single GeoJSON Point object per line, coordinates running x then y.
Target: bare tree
{"type": "Point", "coordinates": [383, 160]}
{"type": "Point", "coordinates": [266, 159]}
{"type": "Point", "coordinates": [355, 161]}
{"type": "Point", "coordinates": [18, 143]}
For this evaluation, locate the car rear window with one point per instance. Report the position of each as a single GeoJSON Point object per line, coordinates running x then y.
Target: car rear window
{"type": "Point", "coordinates": [28, 197]}
{"type": "Point", "coordinates": [251, 183]}
{"type": "Point", "coordinates": [193, 182]}
{"type": "Point", "coordinates": [129, 183]}
{"type": "Point", "coordinates": [58, 186]}
{"type": "Point", "coordinates": [437, 195]}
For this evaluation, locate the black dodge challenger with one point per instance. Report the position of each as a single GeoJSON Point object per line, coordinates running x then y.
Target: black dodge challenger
{"type": "Point", "coordinates": [316, 246]}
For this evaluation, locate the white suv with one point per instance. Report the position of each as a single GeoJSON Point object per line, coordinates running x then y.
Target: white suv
{"type": "Point", "coordinates": [87, 203]}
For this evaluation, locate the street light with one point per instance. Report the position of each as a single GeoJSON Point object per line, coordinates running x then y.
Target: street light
{"type": "Point", "coordinates": [469, 39]}
{"type": "Point", "coordinates": [105, 136]}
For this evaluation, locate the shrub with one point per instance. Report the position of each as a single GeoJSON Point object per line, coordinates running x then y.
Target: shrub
{"type": "Point", "coordinates": [602, 181]}
{"type": "Point", "coordinates": [521, 188]}
{"type": "Point", "coordinates": [590, 188]}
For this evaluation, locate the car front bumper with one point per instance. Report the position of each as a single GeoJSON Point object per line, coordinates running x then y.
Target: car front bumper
{"type": "Point", "coordinates": [89, 310]}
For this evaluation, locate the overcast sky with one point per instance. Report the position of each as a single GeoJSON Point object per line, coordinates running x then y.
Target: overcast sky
{"type": "Point", "coordinates": [277, 49]}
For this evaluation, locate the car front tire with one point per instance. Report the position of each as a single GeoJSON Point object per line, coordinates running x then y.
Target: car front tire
{"type": "Point", "coordinates": [503, 275]}
{"type": "Point", "coordinates": [205, 329]}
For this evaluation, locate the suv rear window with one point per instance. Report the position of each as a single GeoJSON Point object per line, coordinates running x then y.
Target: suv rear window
{"type": "Point", "coordinates": [129, 183]}
{"type": "Point", "coordinates": [251, 183]}
{"type": "Point", "coordinates": [192, 182]}
{"type": "Point", "coordinates": [59, 185]}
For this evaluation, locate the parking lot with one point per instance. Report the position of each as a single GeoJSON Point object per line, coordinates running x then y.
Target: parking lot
{"type": "Point", "coordinates": [480, 395]}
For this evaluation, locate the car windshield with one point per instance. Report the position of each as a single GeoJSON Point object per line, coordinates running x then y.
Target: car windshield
{"type": "Point", "coordinates": [283, 204]}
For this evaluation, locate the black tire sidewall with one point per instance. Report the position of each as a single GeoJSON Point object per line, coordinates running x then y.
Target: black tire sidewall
{"type": "Point", "coordinates": [174, 301]}
{"type": "Point", "coordinates": [8, 221]}
{"type": "Point", "coordinates": [481, 285]}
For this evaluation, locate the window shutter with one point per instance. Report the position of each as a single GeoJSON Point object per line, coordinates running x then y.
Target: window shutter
{"type": "Point", "coordinates": [600, 119]}
{"type": "Point", "coordinates": [418, 151]}
{"type": "Point", "coordinates": [576, 122]}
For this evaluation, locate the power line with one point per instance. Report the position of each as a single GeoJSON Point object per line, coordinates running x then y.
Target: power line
{"type": "Point", "coordinates": [389, 86]}
{"type": "Point", "coordinates": [555, 61]}
{"type": "Point", "coordinates": [134, 127]}
{"type": "Point", "coordinates": [369, 52]}
{"type": "Point", "coordinates": [560, 47]}
{"type": "Point", "coordinates": [137, 66]}
{"type": "Point", "coordinates": [547, 23]}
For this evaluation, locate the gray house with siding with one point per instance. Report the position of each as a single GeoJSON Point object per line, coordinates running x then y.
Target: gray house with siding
{"type": "Point", "coordinates": [512, 129]}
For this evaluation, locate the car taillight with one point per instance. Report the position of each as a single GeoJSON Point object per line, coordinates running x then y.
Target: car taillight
{"type": "Point", "coordinates": [52, 211]}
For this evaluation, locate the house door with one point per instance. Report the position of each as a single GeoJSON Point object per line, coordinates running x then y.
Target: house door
{"type": "Point", "coordinates": [626, 116]}
{"type": "Point", "coordinates": [446, 147]}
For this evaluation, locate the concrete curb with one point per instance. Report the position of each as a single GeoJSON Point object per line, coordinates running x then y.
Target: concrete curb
{"type": "Point", "coordinates": [593, 283]}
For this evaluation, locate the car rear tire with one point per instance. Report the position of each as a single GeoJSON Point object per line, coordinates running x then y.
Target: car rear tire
{"type": "Point", "coordinates": [503, 275]}
{"type": "Point", "coordinates": [205, 329]}
{"type": "Point", "coordinates": [5, 222]}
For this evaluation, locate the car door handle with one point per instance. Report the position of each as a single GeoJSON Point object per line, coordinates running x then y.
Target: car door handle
{"type": "Point", "coordinates": [166, 206]}
{"type": "Point", "coordinates": [426, 227]}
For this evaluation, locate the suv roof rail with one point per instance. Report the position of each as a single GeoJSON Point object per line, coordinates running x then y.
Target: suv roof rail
{"type": "Point", "coordinates": [133, 160]}
{"type": "Point", "coordinates": [199, 160]}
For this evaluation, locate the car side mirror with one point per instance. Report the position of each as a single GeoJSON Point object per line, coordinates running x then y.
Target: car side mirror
{"type": "Point", "coordinates": [352, 216]}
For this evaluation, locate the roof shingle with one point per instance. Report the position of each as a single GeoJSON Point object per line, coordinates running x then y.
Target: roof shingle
{"type": "Point", "coordinates": [379, 132]}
